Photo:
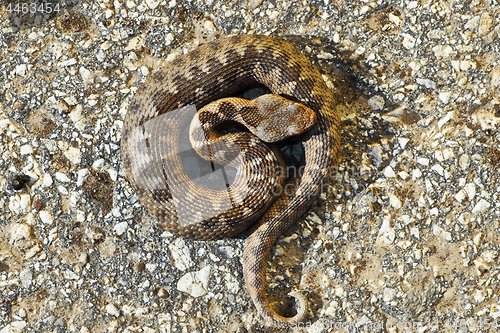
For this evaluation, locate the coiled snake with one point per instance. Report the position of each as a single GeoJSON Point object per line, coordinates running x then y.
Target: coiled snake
{"type": "Point", "coordinates": [152, 162]}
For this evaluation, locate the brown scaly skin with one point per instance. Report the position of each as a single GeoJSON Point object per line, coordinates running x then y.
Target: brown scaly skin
{"type": "Point", "coordinates": [210, 72]}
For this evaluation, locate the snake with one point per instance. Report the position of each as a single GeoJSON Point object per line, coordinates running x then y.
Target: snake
{"type": "Point", "coordinates": [152, 146]}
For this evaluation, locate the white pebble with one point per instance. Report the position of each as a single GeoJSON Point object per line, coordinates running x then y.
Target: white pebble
{"type": "Point", "coordinates": [448, 153]}
{"type": "Point", "coordinates": [26, 149]}
{"type": "Point", "coordinates": [423, 161]}
{"type": "Point", "coordinates": [429, 84]}
{"type": "Point", "coordinates": [82, 176]}
{"type": "Point", "coordinates": [444, 97]}
{"type": "Point", "coordinates": [386, 234]}
{"type": "Point", "coordinates": [389, 172]}
{"type": "Point", "coordinates": [70, 275]}
{"type": "Point", "coordinates": [47, 180]}
{"type": "Point", "coordinates": [150, 267]}
{"type": "Point", "coordinates": [135, 44]}
{"type": "Point", "coordinates": [438, 168]}
{"type": "Point", "coordinates": [112, 310]}
{"type": "Point", "coordinates": [62, 177]}
{"type": "Point", "coordinates": [62, 190]}
{"type": "Point", "coordinates": [67, 63]}
{"type": "Point", "coordinates": [26, 277]}
{"type": "Point", "coordinates": [120, 228]}
{"type": "Point", "coordinates": [181, 254]}
{"type": "Point", "coordinates": [478, 239]}
{"type": "Point", "coordinates": [15, 204]}
{"type": "Point", "coordinates": [403, 142]}
{"type": "Point", "coordinates": [479, 296]}
{"type": "Point", "coordinates": [464, 161]}
{"type": "Point", "coordinates": [460, 196]}
{"type": "Point", "coordinates": [376, 102]}
{"type": "Point", "coordinates": [85, 73]}
{"type": "Point", "coordinates": [394, 201]}
{"type": "Point", "coordinates": [470, 189]}
{"type": "Point", "coordinates": [19, 231]}
{"type": "Point", "coordinates": [450, 115]}
{"type": "Point", "coordinates": [14, 327]}
{"type": "Point", "coordinates": [25, 201]}
{"type": "Point", "coordinates": [404, 175]}
{"type": "Point", "coordinates": [46, 217]}
{"type": "Point", "coordinates": [73, 155]}
{"type": "Point", "coordinates": [33, 251]}
{"type": "Point", "coordinates": [253, 4]}
{"type": "Point", "coordinates": [408, 41]}
{"type": "Point", "coordinates": [195, 283]}
{"type": "Point", "coordinates": [21, 69]}
{"type": "Point", "coordinates": [98, 164]}
{"type": "Point", "coordinates": [443, 51]}
{"type": "Point", "coordinates": [481, 206]}
{"type": "Point", "coordinates": [113, 174]}
{"type": "Point", "coordinates": [83, 258]}
{"type": "Point", "coordinates": [416, 173]}
{"type": "Point", "coordinates": [495, 76]}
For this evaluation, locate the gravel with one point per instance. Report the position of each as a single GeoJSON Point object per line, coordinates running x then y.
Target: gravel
{"type": "Point", "coordinates": [406, 236]}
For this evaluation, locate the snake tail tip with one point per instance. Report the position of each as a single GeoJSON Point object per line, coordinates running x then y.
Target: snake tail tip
{"type": "Point", "coordinates": [301, 305]}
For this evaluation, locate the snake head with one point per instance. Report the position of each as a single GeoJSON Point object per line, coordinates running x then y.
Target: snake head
{"type": "Point", "coordinates": [281, 118]}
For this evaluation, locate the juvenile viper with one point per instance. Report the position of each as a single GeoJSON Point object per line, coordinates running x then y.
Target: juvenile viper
{"type": "Point", "coordinates": [151, 135]}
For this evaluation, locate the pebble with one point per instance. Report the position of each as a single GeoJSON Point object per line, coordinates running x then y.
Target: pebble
{"type": "Point", "coordinates": [195, 283]}
{"type": "Point", "coordinates": [386, 234]}
{"type": "Point", "coordinates": [112, 310]}
{"type": "Point", "coordinates": [443, 51]}
{"type": "Point", "coordinates": [14, 327]}
{"type": "Point", "coordinates": [408, 41]}
{"type": "Point", "coordinates": [423, 161]}
{"type": "Point", "coordinates": [389, 172]}
{"type": "Point", "coordinates": [481, 206]}
{"type": "Point", "coordinates": [449, 116]}
{"type": "Point", "coordinates": [33, 251]}
{"type": "Point", "coordinates": [47, 180]}
{"type": "Point", "coordinates": [135, 44]}
{"type": "Point", "coordinates": [82, 176]}
{"type": "Point", "coordinates": [46, 217]}
{"type": "Point", "coordinates": [62, 177]}
{"type": "Point", "coordinates": [120, 228]}
{"type": "Point", "coordinates": [151, 267]}
{"type": "Point", "coordinates": [485, 23]}
{"type": "Point", "coordinates": [70, 275]}
{"type": "Point", "coordinates": [113, 174]}
{"type": "Point", "coordinates": [67, 63]}
{"type": "Point", "coordinates": [444, 97]}
{"type": "Point", "coordinates": [83, 258]}
{"type": "Point", "coordinates": [25, 150]}
{"type": "Point", "coordinates": [426, 83]}
{"type": "Point", "coordinates": [21, 69]}
{"type": "Point", "coordinates": [181, 254]}
{"type": "Point", "coordinates": [26, 277]}
{"type": "Point", "coordinates": [376, 102]}
{"type": "Point", "coordinates": [18, 231]}
{"type": "Point", "coordinates": [19, 203]}
{"type": "Point", "coordinates": [73, 154]}
{"type": "Point", "coordinates": [85, 73]}
{"type": "Point", "coordinates": [62, 107]}
{"type": "Point", "coordinates": [438, 168]}
{"type": "Point", "coordinates": [253, 4]}
{"type": "Point", "coordinates": [394, 201]}
{"type": "Point", "coordinates": [495, 76]}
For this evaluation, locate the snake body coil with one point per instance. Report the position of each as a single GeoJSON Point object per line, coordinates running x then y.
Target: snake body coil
{"type": "Point", "coordinates": [210, 72]}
